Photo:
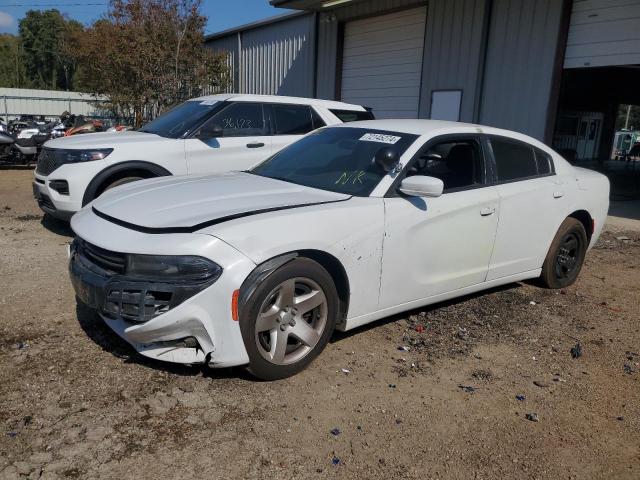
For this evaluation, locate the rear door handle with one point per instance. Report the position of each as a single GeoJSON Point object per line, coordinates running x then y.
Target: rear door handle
{"type": "Point", "coordinates": [558, 194]}
{"type": "Point", "coordinates": [255, 145]}
{"type": "Point", "coordinates": [486, 211]}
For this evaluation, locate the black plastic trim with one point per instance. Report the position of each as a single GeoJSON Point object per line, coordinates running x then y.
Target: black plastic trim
{"type": "Point", "coordinates": [102, 176]}
{"type": "Point", "coordinates": [200, 226]}
{"type": "Point", "coordinates": [260, 273]}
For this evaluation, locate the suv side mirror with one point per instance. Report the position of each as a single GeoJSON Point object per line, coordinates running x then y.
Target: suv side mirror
{"type": "Point", "coordinates": [208, 131]}
{"type": "Point", "coordinates": [422, 186]}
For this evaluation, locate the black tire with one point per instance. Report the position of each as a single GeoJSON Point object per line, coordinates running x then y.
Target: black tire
{"type": "Point", "coordinates": [299, 269]}
{"type": "Point", "coordinates": [120, 181]}
{"type": "Point", "coordinates": [566, 255]}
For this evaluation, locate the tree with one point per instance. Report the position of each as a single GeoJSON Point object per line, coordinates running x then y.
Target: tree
{"type": "Point", "coordinates": [45, 37]}
{"type": "Point", "coordinates": [148, 55]}
{"type": "Point", "coordinates": [633, 121]}
{"type": "Point", "coordinates": [12, 71]}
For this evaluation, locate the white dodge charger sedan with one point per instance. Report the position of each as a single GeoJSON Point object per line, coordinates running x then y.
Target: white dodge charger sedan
{"type": "Point", "coordinates": [350, 224]}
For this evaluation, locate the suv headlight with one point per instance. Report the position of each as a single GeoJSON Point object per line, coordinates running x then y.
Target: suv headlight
{"type": "Point", "coordinates": [173, 268]}
{"type": "Point", "coordinates": [75, 156]}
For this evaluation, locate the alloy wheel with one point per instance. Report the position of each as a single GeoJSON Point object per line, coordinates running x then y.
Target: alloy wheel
{"type": "Point", "coordinates": [291, 321]}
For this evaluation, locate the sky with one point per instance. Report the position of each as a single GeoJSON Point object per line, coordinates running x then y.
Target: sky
{"type": "Point", "coordinates": [222, 14]}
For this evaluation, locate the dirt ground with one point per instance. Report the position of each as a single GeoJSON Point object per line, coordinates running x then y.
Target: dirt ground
{"type": "Point", "coordinates": [77, 402]}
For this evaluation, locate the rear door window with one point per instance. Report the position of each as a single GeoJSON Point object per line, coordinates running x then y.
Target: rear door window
{"type": "Point", "coordinates": [514, 160]}
{"type": "Point", "coordinates": [292, 119]}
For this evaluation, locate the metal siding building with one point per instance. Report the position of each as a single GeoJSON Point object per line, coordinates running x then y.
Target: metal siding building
{"type": "Point", "coordinates": [272, 58]}
{"type": "Point", "coordinates": [495, 62]}
{"type": "Point", "coordinates": [50, 103]}
{"type": "Point", "coordinates": [604, 33]}
{"type": "Point", "coordinates": [519, 65]}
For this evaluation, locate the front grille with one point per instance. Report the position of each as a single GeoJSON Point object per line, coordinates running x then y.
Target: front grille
{"type": "Point", "coordinates": [112, 262]}
{"type": "Point", "coordinates": [136, 305]}
{"type": "Point", "coordinates": [47, 162]}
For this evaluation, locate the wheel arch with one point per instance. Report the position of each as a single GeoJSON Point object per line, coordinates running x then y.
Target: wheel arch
{"type": "Point", "coordinates": [329, 262]}
{"type": "Point", "coordinates": [120, 170]}
{"type": "Point", "coordinates": [586, 220]}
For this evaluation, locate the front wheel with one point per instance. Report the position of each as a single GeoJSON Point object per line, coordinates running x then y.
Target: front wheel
{"type": "Point", "coordinates": [289, 319]}
{"type": "Point", "coordinates": [122, 181]}
{"type": "Point", "coordinates": [566, 255]}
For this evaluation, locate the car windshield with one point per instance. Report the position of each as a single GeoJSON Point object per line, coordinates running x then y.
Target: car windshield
{"type": "Point", "coordinates": [335, 159]}
{"type": "Point", "coordinates": [182, 119]}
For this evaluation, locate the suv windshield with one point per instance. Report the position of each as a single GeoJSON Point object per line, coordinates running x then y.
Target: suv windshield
{"type": "Point", "coordinates": [182, 119]}
{"type": "Point", "coordinates": [335, 159]}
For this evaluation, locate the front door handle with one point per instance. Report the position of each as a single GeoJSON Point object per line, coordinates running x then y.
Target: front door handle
{"type": "Point", "coordinates": [486, 211]}
{"type": "Point", "coordinates": [558, 194]}
{"type": "Point", "coordinates": [255, 145]}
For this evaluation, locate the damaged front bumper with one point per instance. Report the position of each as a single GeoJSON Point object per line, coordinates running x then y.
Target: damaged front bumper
{"type": "Point", "coordinates": [152, 316]}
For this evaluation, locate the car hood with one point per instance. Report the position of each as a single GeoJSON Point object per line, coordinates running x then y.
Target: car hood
{"type": "Point", "coordinates": [105, 140]}
{"type": "Point", "coordinates": [188, 203]}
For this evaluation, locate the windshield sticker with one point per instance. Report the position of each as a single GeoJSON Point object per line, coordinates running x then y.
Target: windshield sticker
{"type": "Point", "coordinates": [380, 138]}
{"type": "Point", "coordinates": [208, 102]}
{"type": "Point", "coordinates": [353, 178]}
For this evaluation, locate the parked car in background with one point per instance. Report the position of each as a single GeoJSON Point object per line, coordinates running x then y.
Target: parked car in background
{"type": "Point", "coordinates": [210, 134]}
{"type": "Point", "coordinates": [623, 143]}
{"type": "Point", "coordinates": [348, 225]}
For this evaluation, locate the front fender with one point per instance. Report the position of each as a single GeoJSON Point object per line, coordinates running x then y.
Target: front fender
{"type": "Point", "coordinates": [131, 165]}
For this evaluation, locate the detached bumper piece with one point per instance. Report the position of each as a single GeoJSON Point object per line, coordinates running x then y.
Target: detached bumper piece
{"type": "Point", "coordinates": [100, 281]}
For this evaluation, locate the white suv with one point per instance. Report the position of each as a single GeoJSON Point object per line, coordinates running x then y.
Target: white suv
{"type": "Point", "coordinates": [205, 135]}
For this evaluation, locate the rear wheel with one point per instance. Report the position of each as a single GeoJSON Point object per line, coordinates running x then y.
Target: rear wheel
{"type": "Point", "coordinates": [566, 255]}
{"type": "Point", "coordinates": [289, 319]}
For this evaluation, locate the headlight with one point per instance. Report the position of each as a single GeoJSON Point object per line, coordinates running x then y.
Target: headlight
{"type": "Point", "coordinates": [173, 268]}
{"type": "Point", "coordinates": [74, 156]}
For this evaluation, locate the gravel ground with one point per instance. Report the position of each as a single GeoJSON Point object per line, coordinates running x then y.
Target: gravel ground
{"type": "Point", "coordinates": [479, 388]}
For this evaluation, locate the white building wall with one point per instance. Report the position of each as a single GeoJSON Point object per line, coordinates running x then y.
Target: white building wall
{"type": "Point", "coordinates": [603, 33]}
{"type": "Point", "coordinates": [50, 103]}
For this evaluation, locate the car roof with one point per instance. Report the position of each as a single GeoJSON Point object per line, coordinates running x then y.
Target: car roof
{"type": "Point", "coordinates": [242, 97]}
{"type": "Point", "coordinates": [431, 127]}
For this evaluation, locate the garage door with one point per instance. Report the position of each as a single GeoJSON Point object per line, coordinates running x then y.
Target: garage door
{"type": "Point", "coordinates": [382, 62]}
{"type": "Point", "coordinates": [603, 33]}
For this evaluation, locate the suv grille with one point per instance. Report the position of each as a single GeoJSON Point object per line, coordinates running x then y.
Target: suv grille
{"type": "Point", "coordinates": [111, 262]}
{"type": "Point", "coordinates": [47, 162]}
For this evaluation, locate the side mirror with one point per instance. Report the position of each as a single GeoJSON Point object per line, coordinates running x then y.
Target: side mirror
{"type": "Point", "coordinates": [422, 186]}
{"type": "Point", "coordinates": [208, 131]}
{"type": "Point", "coordinates": [386, 158]}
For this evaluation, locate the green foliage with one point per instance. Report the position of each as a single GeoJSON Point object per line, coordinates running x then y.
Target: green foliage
{"type": "Point", "coordinates": [148, 55]}
{"type": "Point", "coordinates": [39, 56]}
{"type": "Point", "coordinates": [634, 117]}
{"type": "Point", "coordinates": [12, 70]}
{"type": "Point", "coordinates": [45, 39]}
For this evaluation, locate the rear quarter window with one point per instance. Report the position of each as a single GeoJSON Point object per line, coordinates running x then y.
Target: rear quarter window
{"type": "Point", "coordinates": [544, 162]}
{"type": "Point", "coordinates": [352, 115]}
